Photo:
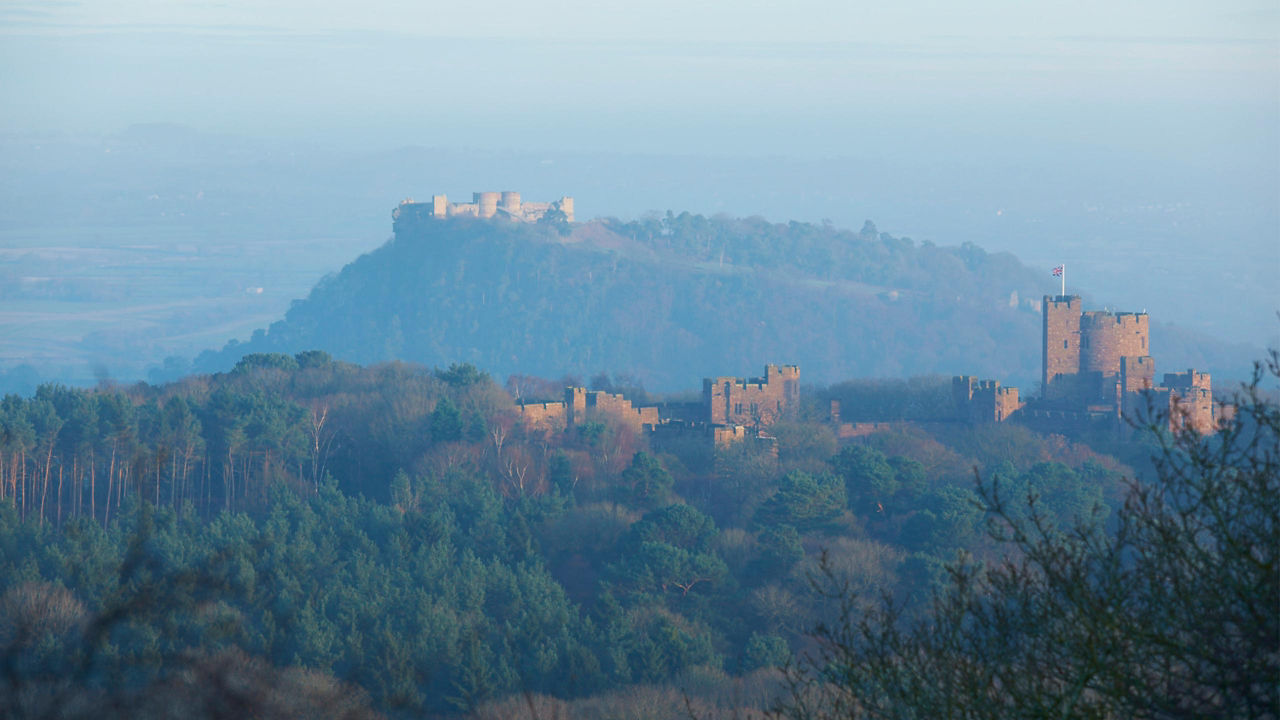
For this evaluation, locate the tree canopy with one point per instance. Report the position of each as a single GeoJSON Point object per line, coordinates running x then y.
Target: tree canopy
{"type": "Point", "coordinates": [1170, 610]}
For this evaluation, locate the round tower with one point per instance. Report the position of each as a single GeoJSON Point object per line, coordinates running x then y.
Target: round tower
{"type": "Point", "coordinates": [1106, 337]}
{"type": "Point", "coordinates": [486, 203]}
{"type": "Point", "coordinates": [510, 203]}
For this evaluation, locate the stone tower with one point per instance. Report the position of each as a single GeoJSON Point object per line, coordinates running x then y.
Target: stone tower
{"type": "Point", "coordinates": [1061, 345]}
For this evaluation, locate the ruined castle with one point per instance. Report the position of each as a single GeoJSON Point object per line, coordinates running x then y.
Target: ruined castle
{"type": "Point", "coordinates": [485, 205]}
{"type": "Point", "coordinates": [733, 409]}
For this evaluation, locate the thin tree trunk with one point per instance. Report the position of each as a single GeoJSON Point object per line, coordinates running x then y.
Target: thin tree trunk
{"type": "Point", "coordinates": [44, 488]}
{"type": "Point", "coordinates": [73, 471]}
{"type": "Point", "coordinates": [111, 482]}
{"type": "Point", "coordinates": [111, 474]}
{"type": "Point", "coordinates": [23, 487]}
{"type": "Point", "coordinates": [186, 464]}
{"type": "Point", "coordinates": [173, 480]}
{"type": "Point", "coordinates": [228, 480]}
{"type": "Point", "coordinates": [93, 482]}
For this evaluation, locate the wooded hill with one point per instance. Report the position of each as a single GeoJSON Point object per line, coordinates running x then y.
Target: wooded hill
{"type": "Point", "coordinates": [669, 300]}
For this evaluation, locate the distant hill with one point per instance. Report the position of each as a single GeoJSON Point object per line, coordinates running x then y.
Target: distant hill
{"type": "Point", "coordinates": [673, 299]}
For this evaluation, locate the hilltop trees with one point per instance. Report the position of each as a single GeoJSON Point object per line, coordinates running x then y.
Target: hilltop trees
{"type": "Point", "coordinates": [517, 298]}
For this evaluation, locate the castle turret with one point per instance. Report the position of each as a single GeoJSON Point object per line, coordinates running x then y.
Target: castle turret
{"type": "Point", "coordinates": [983, 401]}
{"type": "Point", "coordinates": [1137, 373]}
{"type": "Point", "coordinates": [1061, 345]}
{"type": "Point", "coordinates": [1107, 337]}
{"type": "Point", "coordinates": [486, 203]}
{"type": "Point", "coordinates": [575, 400]}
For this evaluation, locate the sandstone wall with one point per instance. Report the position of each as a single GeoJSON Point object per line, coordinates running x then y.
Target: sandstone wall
{"type": "Point", "coordinates": [1061, 344]}
{"type": "Point", "coordinates": [753, 401]}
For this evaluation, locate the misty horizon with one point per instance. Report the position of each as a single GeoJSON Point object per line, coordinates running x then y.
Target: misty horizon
{"type": "Point", "coordinates": [1139, 144]}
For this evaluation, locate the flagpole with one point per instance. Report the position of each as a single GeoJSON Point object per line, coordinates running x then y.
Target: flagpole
{"type": "Point", "coordinates": [1064, 279]}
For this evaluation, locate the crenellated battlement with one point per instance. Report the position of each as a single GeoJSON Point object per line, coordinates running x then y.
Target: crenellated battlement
{"type": "Point", "coordinates": [581, 406]}
{"type": "Point", "coordinates": [752, 401]}
{"type": "Point", "coordinates": [983, 401]}
{"type": "Point", "coordinates": [1100, 362]}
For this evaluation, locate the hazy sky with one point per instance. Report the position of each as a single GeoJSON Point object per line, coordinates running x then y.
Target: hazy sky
{"type": "Point", "coordinates": [725, 77]}
{"type": "Point", "coordinates": [1140, 139]}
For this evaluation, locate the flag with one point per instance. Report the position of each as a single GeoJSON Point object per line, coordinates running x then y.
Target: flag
{"type": "Point", "coordinates": [1057, 272]}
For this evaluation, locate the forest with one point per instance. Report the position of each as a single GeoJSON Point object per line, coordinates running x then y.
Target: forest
{"type": "Point", "coordinates": [389, 540]}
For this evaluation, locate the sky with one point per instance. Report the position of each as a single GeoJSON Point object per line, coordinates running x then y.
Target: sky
{"type": "Point", "coordinates": [1139, 136]}
{"type": "Point", "coordinates": [720, 77]}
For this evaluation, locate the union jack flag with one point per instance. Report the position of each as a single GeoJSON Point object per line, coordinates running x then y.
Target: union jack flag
{"type": "Point", "coordinates": [1057, 272]}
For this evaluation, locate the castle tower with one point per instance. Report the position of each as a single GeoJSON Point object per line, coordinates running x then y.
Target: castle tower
{"type": "Point", "coordinates": [749, 401]}
{"type": "Point", "coordinates": [962, 387]}
{"type": "Point", "coordinates": [486, 203]}
{"type": "Point", "coordinates": [1137, 373]}
{"type": "Point", "coordinates": [510, 203]}
{"type": "Point", "coordinates": [1105, 338]}
{"type": "Point", "coordinates": [1061, 345]}
{"type": "Point", "coordinates": [575, 400]}
{"type": "Point", "coordinates": [788, 377]}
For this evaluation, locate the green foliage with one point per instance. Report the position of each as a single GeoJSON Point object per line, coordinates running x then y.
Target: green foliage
{"type": "Point", "coordinates": [313, 359]}
{"type": "Point", "coordinates": [780, 550]}
{"type": "Point", "coordinates": [463, 375]}
{"type": "Point", "coordinates": [266, 361]}
{"type": "Point", "coordinates": [679, 525]}
{"type": "Point", "coordinates": [805, 502]}
{"type": "Point", "coordinates": [766, 651]}
{"type": "Point", "coordinates": [869, 479]}
{"type": "Point", "coordinates": [655, 645]}
{"type": "Point", "coordinates": [1059, 492]}
{"type": "Point", "coordinates": [1167, 611]}
{"type": "Point", "coordinates": [446, 422]}
{"type": "Point", "coordinates": [393, 526]}
{"type": "Point", "coordinates": [947, 519]}
{"type": "Point", "coordinates": [668, 552]}
{"type": "Point", "coordinates": [645, 483]}
{"type": "Point", "coordinates": [294, 585]}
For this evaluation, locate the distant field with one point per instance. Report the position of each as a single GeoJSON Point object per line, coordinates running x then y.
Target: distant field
{"type": "Point", "coordinates": [76, 302]}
